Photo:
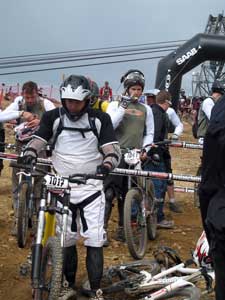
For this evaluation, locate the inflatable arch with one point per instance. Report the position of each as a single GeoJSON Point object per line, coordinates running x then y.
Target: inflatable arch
{"type": "Point", "coordinates": [172, 67]}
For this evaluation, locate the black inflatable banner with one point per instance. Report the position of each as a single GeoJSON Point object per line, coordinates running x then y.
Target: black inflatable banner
{"type": "Point", "coordinates": [172, 67]}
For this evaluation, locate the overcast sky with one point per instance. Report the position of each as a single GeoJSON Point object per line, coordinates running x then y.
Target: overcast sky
{"type": "Point", "coordinates": [33, 27]}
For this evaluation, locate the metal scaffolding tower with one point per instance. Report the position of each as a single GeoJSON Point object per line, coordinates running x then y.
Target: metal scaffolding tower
{"type": "Point", "coordinates": [210, 70]}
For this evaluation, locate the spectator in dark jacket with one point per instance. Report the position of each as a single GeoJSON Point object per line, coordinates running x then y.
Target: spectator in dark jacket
{"type": "Point", "coordinates": [159, 155]}
{"type": "Point", "coordinates": [212, 192]}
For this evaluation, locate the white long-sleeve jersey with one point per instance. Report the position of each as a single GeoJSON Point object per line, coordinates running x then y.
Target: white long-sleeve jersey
{"type": "Point", "coordinates": [207, 106]}
{"type": "Point", "coordinates": [12, 111]}
{"type": "Point", "coordinates": [175, 120]}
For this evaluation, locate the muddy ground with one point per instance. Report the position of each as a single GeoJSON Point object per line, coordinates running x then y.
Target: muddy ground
{"type": "Point", "coordinates": [182, 238]}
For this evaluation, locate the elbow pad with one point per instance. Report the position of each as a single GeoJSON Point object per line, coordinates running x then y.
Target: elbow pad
{"type": "Point", "coordinates": [112, 154]}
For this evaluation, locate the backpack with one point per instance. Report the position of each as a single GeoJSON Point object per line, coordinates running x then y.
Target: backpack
{"type": "Point", "coordinates": [61, 127]}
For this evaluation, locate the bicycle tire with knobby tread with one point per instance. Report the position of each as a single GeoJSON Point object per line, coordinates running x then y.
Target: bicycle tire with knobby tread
{"type": "Point", "coordinates": [52, 251]}
{"type": "Point", "coordinates": [136, 252]}
{"type": "Point", "coordinates": [115, 284]}
{"type": "Point", "coordinates": [22, 215]}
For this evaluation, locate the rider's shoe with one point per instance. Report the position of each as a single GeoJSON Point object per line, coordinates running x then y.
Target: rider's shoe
{"type": "Point", "coordinates": [120, 237]}
{"type": "Point", "coordinates": [67, 293]}
{"type": "Point", "coordinates": [175, 207]}
{"type": "Point", "coordinates": [165, 224]}
{"type": "Point", "coordinates": [98, 295]}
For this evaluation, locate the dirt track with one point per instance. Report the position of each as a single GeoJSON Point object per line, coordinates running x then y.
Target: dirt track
{"type": "Point", "coordinates": [183, 237]}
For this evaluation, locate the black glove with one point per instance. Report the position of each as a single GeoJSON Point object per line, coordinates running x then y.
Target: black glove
{"type": "Point", "coordinates": [103, 170]}
{"type": "Point", "coordinates": [154, 155]}
{"type": "Point", "coordinates": [29, 157]}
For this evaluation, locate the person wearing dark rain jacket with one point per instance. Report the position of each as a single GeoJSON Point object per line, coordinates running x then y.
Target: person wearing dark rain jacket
{"type": "Point", "coordinates": [212, 192]}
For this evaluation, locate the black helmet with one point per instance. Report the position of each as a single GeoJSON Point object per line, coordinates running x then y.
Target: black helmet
{"type": "Point", "coordinates": [133, 77]}
{"type": "Point", "coordinates": [75, 87]}
{"type": "Point", "coordinates": [218, 87]}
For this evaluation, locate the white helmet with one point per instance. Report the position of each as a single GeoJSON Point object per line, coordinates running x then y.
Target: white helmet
{"type": "Point", "coordinates": [75, 87]}
{"type": "Point", "coordinates": [200, 255]}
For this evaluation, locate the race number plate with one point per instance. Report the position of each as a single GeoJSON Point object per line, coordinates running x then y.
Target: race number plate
{"type": "Point", "coordinates": [56, 182]}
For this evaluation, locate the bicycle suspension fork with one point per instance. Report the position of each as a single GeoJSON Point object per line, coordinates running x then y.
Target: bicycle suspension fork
{"type": "Point", "coordinates": [38, 246]}
{"type": "Point", "coordinates": [65, 214]}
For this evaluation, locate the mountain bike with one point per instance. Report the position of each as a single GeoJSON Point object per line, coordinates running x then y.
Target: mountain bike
{"type": "Point", "coordinates": [26, 208]}
{"type": "Point", "coordinates": [47, 250]}
{"type": "Point", "coordinates": [148, 280]}
{"type": "Point", "coordinates": [117, 278]}
{"type": "Point", "coordinates": [140, 212]}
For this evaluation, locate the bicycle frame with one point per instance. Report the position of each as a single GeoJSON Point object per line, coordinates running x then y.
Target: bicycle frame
{"type": "Point", "coordinates": [165, 285]}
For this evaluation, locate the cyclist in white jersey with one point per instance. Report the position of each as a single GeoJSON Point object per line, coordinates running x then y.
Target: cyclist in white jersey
{"type": "Point", "coordinates": [83, 142]}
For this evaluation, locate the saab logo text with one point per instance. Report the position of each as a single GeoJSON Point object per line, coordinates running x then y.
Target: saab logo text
{"type": "Point", "coordinates": [186, 56]}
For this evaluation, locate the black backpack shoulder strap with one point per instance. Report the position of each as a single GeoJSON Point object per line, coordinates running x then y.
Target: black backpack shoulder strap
{"type": "Point", "coordinates": [58, 130]}
{"type": "Point", "coordinates": [93, 127]}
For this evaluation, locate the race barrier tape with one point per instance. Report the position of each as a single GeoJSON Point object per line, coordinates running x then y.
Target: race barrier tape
{"type": "Point", "coordinates": [119, 171]}
{"type": "Point", "coordinates": [188, 145]}
{"type": "Point", "coordinates": [181, 189]}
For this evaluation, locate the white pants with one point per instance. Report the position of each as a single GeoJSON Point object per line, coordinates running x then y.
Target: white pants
{"type": "Point", "coordinates": [85, 219]}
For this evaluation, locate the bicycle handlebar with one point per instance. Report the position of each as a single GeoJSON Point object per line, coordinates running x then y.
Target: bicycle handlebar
{"type": "Point", "coordinates": [79, 178]}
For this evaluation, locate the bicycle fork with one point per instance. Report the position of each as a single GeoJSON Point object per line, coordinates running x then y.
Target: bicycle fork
{"type": "Point", "coordinates": [37, 248]}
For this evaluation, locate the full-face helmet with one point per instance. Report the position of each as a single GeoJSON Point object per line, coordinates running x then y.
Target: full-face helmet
{"type": "Point", "coordinates": [75, 87]}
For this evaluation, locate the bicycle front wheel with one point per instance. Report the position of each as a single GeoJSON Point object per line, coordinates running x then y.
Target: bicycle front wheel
{"type": "Point", "coordinates": [22, 214]}
{"type": "Point", "coordinates": [51, 271]}
{"type": "Point", "coordinates": [135, 227]}
{"type": "Point", "coordinates": [116, 279]}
